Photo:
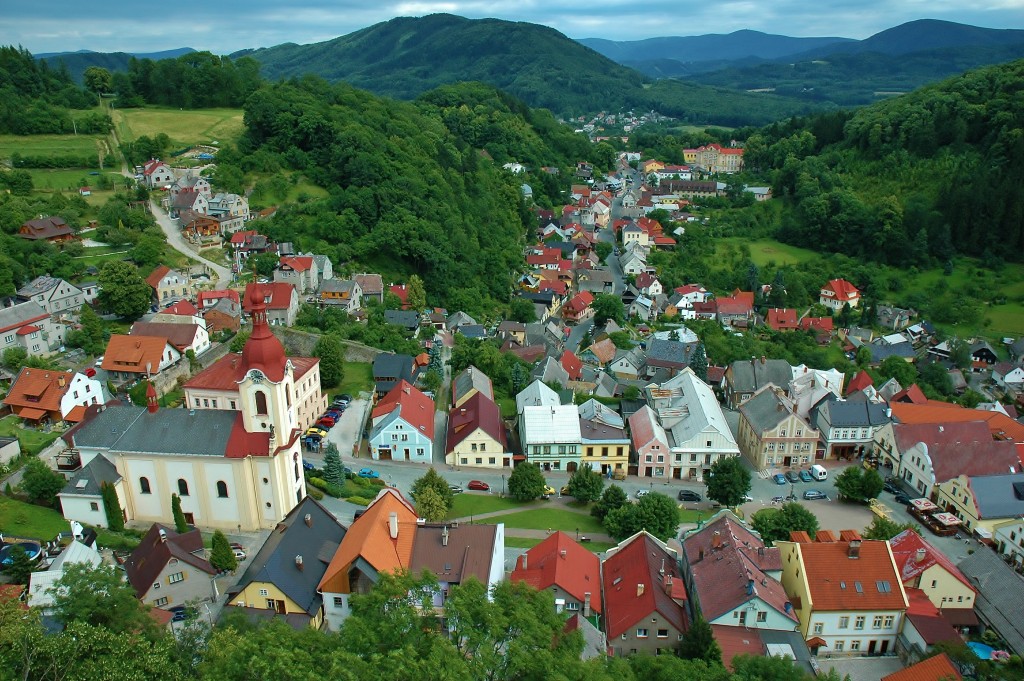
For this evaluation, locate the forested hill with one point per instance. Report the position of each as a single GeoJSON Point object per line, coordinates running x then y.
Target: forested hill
{"type": "Point", "coordinates": [909, 180]}
{"type": "Point", "coordinates": [406, 56]}
{"type": "Point", "coordinates": [35, 99]}
{"type": "Point", "coordinates": [411, 190]}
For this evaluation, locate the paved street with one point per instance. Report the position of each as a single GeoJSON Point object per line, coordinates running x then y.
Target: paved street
{"type": "Point", "coordinates": [174, 238]}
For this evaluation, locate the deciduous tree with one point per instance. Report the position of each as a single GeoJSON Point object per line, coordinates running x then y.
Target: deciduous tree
{"type": "Point", "coordinates": [526, 482]}
{"type": "Point", "coordinates": [430, 505]}
{"type": "Point", "coordinates": [585, 484]}
{"type": "Point", "coordinates": [123, 291]}
{"type": "Point", "coordinates": [729, 482]}
{"type": "Point", "coordinates": [775, 524]}
{"type": "Point", "coordinates": [41, 483]}
{"type": "Point", "coordinates": [100, 597]}
{"type": "Point", "coordinates": [885, 529]}
{"type": "Point", "coordinates": [606, 307]}
{"type": "Point", "coordinates": [20, 567]}
{"type": "Point", "coordinates": [857, 483]}
{"type": "Point", "coordinates": [433, 481]}
{"type": "Point", "coordinates": [611, 499]}
{"type": "Point", "coordinates": [654, 512]}
{"type": "Point", "coordinates": [332, 357]}
{"type": "Point", "coordinates": [416, 294]}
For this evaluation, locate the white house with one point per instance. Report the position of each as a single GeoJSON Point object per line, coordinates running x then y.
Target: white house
{"type": "Point", "coordinates": [82, 391]}
{"type": "Point", "coordinates": [549, 430]}
{"type": "Point", "coordinates": [40, 583]}
{"type": "Point", "coordinates": [403, 426]}
{"type": "Point", "coordinates": [54, 295]}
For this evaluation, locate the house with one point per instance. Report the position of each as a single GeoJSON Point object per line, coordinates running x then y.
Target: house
{"type": "Point", "coordinates": [223, 315]}
{"type": "Point", "coordinates": [157, 174]}
{"type": "Point", "coordinates": [924, 626]}
{"type": "Point", "coordinates": [298, 270]}
{"type": "Point", "coordinates": [189, 200]}
{"type": "Point", "coordinates": [390, 369]}
{"type": "Point", "coordinates": [457, 319]}
{"type": "Point", "coordinates": [512, 330]}
{"type": "Point", "coordinates": [550, 371]}
{"type": "Point", "coordinates": [39, 395]}
{"type": "Point", "coordinates": [229, 205]}
{"type": "Point", "coordinates": [859, 382]}
{"type": "Point", "coordinates": [81, 500]}
{"type": "Point", "coordinates": [604, 440]}
{"type": "Point", "coordinates": [168, 569]}
{"type": "Point", "coordinates": [1008, 540]}
{"type": "Point", "coordinates": [632, 262]}
{"type": "Point", "coordinates": [847, 594]}
{"type": "Point", "coordinates": [469, 382]}
{"type": "Point", "coordinates": [42, 581]}
{"type": "Point", "coordinates": [409, 320]}
{"type": "Point", "coordinates": [983, 355]}
{"type": "Point", "coordinates": [698, 433]}
{"type": "Point", "coordinates": [281, 302]}
{"type": "Point", "coordinates": [578, 308]}
{"type": "Point", "coordinates": [235, 464]}
{"type": "Point", "coordinates": [53, 294]}
{"type": "Point", "coordinates": [128, 358]}
{"type": "Point", "coordinates": [892, 317]}
{"type": "Point", "coordinates": [781, 319]}
{"type": "Point", "coordinates": [628, 364]}
{"type": "Point", "coordinates": [736, 310]}
{"type": "Point", "coordinates": [379, 541]}
{"type": "Point", "coordinates": [284, 574]}
{"type": "Point", "coordinates": [371, 285]}
{"type": "Point", "coordinates": [771, 433]}
{"type": "Point", "coordinates": [922, 566]}
{"type": "Point", "coordinates": [572, 364]}
{"type": "Point", "coordinates": [343, 292]}
{"type": "Point", "coordinates": [644, 605]}
{"type": "Point", "coordinates": [837, 293]}
{"type": "Point", "coordinates": [673, 355]}
{"type": "Point", "coordinates": [168, 285]}
{"type": "Point", "coordinates": [180, 312]}
{"type": "Point", "coordinates": [1000, 598]}
{"type": "Point", "coordinates": [927, 455]}
{"type": "Point", "coordinates": [981, 502]}
{"type": "Point", "coordinates": [1008, 376]}
{"type": "Point", "coordinates": [249, 242]}
{"type": "Point", "coordinates": [732, 578]}
{"type": "Point", "coordinates": [743, 378]}
{"type": "Point", "coordinates": [1000, 425]}
{"type": "Point", "coordinates": [28, 326]}
{"type": "Point", "coordinates": [207, 299]}
{"type": "Point", "coordinates": [183, 337]}
{"type": "Point", "coordinates": [402, 426]}
{"type": "Point", "coordinates": [476, 434]}
{"type": "Point", "coordinates": [566, 569]}
{"type": "Point", "coordinates": [52, 229]}
{"type": "Point", "coordinates": [938, 668]}
{"type": "Point", "coordinates": [809, 386]}
{"type": "Point", "coordinates": [714, 158]}
{"type": "Point", "coordinates": [457, 552]}
{"type": "Point", "coordinates": [848, 427]}
{"type": "Point", "coordinates": [550, 434]}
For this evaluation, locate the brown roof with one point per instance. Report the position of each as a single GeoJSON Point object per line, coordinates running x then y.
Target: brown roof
{"type": "Point", "coordinates": [179, 335]}
{"type": "Point", "coordinates": [560, 561]}
{"type": "Point", "coordinates": [152, 554]}
{"type": "Point", "coordinates": [737, 641]}
{"type": "Point", "coordinates": [38, 389]}
{"type": "Point", "coordinates": [467, 552]}
{"type": "Point", "coordinates": [134, 353]}
{"type": "Point", "coordinates": [478, 411]}
{"type": "Point", "coordinates": [871, 581]}
{"type": "Point", "coordinates": [604, 350]}
{"type": "Point", "coordinates": [369, 284]}
{"type": "Point", "coordinates": [634, 588]}
{"type": "Point", "coordinates": [957, 448]}
{"type": "Point", "coordinates": [938, 668]}
{"type": "Point", "coordinates": [45, 228]}
{"type": "Point", "coordinates": [156, 275]}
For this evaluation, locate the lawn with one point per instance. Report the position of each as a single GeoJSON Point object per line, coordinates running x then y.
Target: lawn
{"type": "Point", "coordinates": [95, 256]}
{"type": "Point", "coordinates": [48, 145]}
{"type": "Point", "coordinates": [62, 179]}
{"type": "Point", "coordinates": [358, 378]}
{"type": "Point", "coordinates": [764, 251]}
{"type": "Point", "coordinates": [529, 543]}
{"type": "Point", "coordinates": [467, 505]}
{"type": "Point", "coordinates": [692, 517]}
{"type": "Point", "coordinates": [183, 127]}
{"type": "Point", "coordinates": [32, 441]}
{"type": "Point", "coordinates": [550, 519]}
{"type": "Point", "coordinates": [20, 519]}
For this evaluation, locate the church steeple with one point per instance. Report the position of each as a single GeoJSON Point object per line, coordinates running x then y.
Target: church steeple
{"type": "Point", "coordinates": [151, 400]}
{"type": "Point", "coordinates": [262, 351]}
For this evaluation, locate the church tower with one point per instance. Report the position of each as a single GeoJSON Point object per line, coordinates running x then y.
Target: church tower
{"type": "Point", "coordinates": [266, 381]}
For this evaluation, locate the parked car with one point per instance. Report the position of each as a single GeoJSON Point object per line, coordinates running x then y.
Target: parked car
{"type": "Point", "coordinates": [345, 397]}
{"type": "Point", "coordinates": [891, 488]}
{"type": "Point", "coordinates": [549, 491]}
{"type": "Point", "coordinates": [319, 432]}
{"type": "Point", "coordinates": [779, 479]}
{"type": "Point", "coordinates": [368, 473]}
{"type": "Point", "coordinates": [307, 465]}
{"type": "Point", "coordinates": [792, 476]}
{"type": "Point", "coordinates": [815, 494]}
{"type": "Point", "coordinates": [565, 491]}
{"type": "Point", "coordinates": [806, 476]}
{"type": "Point", "coordinates": [180, 613]}
{"type": "Point", "coordinates": [689, 495]}
{"type": "Point", "coordinates": [641, 493]}
{"type": "Point", "coordinates": [239, 554]}
{"type": "Point", "coordinates": [236, 545]}
{"type": "Point", "coordinates": [90, 372]}
{"type": "Point", "coordinates": [325, 422]}
{"type": "Point", "coordinates": [478, 485]}
{"type": "Point", "coordinates": [456, 489]}
{"type": "Point", "coordinates": [99, 361]}
{"type": "Point", "coordinates": [902, 498]}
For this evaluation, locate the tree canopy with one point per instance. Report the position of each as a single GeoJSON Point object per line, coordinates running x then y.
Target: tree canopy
{"type": "Point", "coordinates": [857, 483]}
{"type": "Point", "coordinates": [526, 482]}
{"type": "Point", "coordinates": [585, 484]}
{"type": "Point", "coordinates": [776, 524]}
{"type": "Point", "coordinates": [729, 482]}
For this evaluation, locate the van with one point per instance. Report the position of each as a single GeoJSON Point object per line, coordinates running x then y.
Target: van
{"type": "Point", "coordinates": [819, 472]}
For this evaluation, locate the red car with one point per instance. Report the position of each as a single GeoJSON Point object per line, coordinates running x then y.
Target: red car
{"type": "Point", "coordinates": [478, 484]}
{"type": "Point", "coordinates": [326, 422]}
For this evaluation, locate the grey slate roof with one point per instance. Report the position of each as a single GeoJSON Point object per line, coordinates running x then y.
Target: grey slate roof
{"type": "Point", "coordinates": [670, 353]}
{"type": "Point", "coordinates": [316, 542]}
{"type": "Point", "coordinates": [39, 285]}
{"type": "Point", "coordinates": [999, 496]}
{"type": "Point", "coordinates": [203, 432]}
{"type": "Point", "coordinates": [550, 371]}
{"type": "Point", "coordinates": [765, 410]}
{"type": "Point", "coordinates": [472, 330]}
{"type": "Point", "coordinates": [469, 379]}
{"type": "Point", "coordinates": [94, 473]}
{"type": "Point", "coordinates": [851, 413]}
{"type": "Point", "coordinates": [880, 351]}
{"type": "Point", "coordinates": [17, 315]}
{"type": "Point", "coordinates": [1000, 599]}
{"type": "Point", "coordinates": [389, 369]}
{"type": "Point", "coordinates": [750, 375]}
{"type": "Point", "coordinates": [408, 319]}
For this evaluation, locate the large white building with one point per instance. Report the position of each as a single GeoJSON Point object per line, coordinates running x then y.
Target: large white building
{"type": "Point", "coordinates": [549, 430]}
{"type": "Point", "coordinates": [235, 461]}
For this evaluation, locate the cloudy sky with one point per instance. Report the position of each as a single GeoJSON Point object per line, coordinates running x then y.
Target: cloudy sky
{"type": "Point", "coordinates": [224, 26]}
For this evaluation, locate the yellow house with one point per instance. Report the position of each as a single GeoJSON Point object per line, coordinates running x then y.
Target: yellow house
{"type": "Point", "coordinates": [982, 502]}
{"type": "Point", "coordinates": [169, 285]}
{"type": "Point", "coordinates": [651, 166]}
{"type": "Point", "coordinates": [476, 435]}
{"type": "Point", "coordinates": [604, 440]}
{"type": "Point", "coordinates": [772, 434]}
{"type": "Point", "coordinates": [923, 567]}
{"type": "Point", "coordinates": [284, 574]}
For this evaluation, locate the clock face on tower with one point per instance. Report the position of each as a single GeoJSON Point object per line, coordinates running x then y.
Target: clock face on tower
{"type": "Point", "coordinates": [256, 376]}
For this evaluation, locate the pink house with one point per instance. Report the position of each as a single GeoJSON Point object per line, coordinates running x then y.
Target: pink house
{"type": "Point", "coordinates": [650, 441]}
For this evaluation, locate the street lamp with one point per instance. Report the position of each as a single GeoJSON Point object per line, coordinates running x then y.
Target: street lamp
{"type": "Point", "coordinates": [503, 485]}
{"type": "Point", "coordinates": [577, 534]}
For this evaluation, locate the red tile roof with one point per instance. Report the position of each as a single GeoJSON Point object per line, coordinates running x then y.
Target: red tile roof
{"type": "Point", "coordinates": [279, 292]}
{"type": "Point", "coordinates": [827, 563]}
{"type": "Point", "coordinates": [958, 447]}
{"type": "Point", "coordinates": [823, 323]}
{"type": "Point", "coordinates": [299, 263]}
{"type": "Point", "coordinates": [740, 302]}
{"type": "Point", "coordinates": [559, 561]}
{"type": "Point", "coordinates": [841, 290]}
{"type": "Point", "coordinates": [781, 319]}
{"type": "Point", "coordinates": [928, 620]}
{"type": "Point", "coordinates": [580, 302]}
{"type": "Point", "coordinates": [180, 336]}
{"type": "Point", "coordinates": [938, 668]}
{"type": "Point", "coordinates": [242, 443]}
{"type": "Point", "coordinates": [226, 372]}
{"type": "Point", "coordinates": [913, 395]}
{"type": "Point", "coordinates": [182, 308]}
{"type": "Point", "coordinates": [859, 382]}
{"type": "Point", "coordinates": [38, 389]}
{"type": "Point", "coordinates": [572, 364]}
{"type": "Point", "coordinates": [414, 407]}
{"type": "Point", "coordinates": [27, 329]}
{"type": "Point", "coordinates": [156, 275]}
{"type": "Point", "coordinates": [478, 411]}
{"type": "Point", "coordinates": [216, 295]}
{"type": "Point", "coordinates": [634, 588]}
{"type": "Point", "coordinates": [736, 641]}
{"type": "Point", "coordinates": [134, 354]}
{"type": "Point", "coordinates": [905, 548]}
{"type": "Point", "coordinates": [239, 238]}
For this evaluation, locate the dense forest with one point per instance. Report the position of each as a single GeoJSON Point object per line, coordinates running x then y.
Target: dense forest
{"type": "Point", "coordinates": [906, 181]}
{"type": "Point", "coordinates": [194, 81]}
{"type": "Point", "coordinates": [34, 99]}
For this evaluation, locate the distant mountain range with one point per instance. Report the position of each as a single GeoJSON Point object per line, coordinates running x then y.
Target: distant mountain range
{"type": "Point", "coordinates": [78, 62]}
{"type": "Point", "coordinates": [713, 47]}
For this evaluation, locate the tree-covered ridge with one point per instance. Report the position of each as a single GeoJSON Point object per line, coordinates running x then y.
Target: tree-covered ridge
{"type": "Point", "coordinates": [196, 80]}
{"type": "Point", "coordinates": [35, 99]}
{"type": "Point", "coordinates": [909, 180]}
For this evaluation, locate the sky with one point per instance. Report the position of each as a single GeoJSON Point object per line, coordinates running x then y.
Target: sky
{"type": "Point", "coordinates": [225, 26]}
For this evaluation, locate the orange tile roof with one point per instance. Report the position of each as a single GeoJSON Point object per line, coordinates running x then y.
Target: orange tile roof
{"type": "Point", "coordinates": [827, 563]}
{"type": "Point", "coordinates": [134, 353]}
{"type": "Point", "coordinates": [299, 263]}
{"type": "Point", "coordinates": [280, 293]}
{"type": "Point", "coordinates": [634, 588]}
{"type": "Point", "coordinates": [938, 668]}
{"type": "Point", "coordinates": [156, 275]}
{"type": "Point", "coordinates": [369, 538]}
{"type": "Point", "coordinates": [416, 409]}
{"type": "Point", "coordinates": [842, 289]}
{"type": "Point", "coordinates": [1000, 425]}
{"type": "Point", "coordinates": [38, 389]}
{"type": "Point", "coordinates": [737, 641]}
{"type": "Point", "coordinates": [559, 561]}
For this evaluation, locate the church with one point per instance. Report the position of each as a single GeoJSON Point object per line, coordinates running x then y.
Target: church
{"type": "Point", "coordinates": [232, 454]}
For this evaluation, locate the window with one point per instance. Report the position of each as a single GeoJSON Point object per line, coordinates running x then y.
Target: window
{"type": "Point", "coordinates": [662, 633]}
{"type": "Point", "coordinates": [419, 450]}
{"type": "Point", "coordinates": [762, 616]}
{"type": "Point", "coordinates": [261, 403]}
{"type": "Point", "coordinates": [876, 623]}
{"type": "Point", "coordinates": [859, 622]}
{"type": "Point", "coordinates": [232, 403]}
{"type": "Point", "coordinates": [844, 622]}
{"type": "Point", "coordinates": [818, 627]}
{"type": "Point", "coordinates": [197, 402]}
{"type": "Point", "coordinates": [206, 402]}
{"type": "Point", "coordinates": [492, 460]}
{"type": "Point", "coordinates": [182, 487]}
{"type": "Point", "coordinates": [94, 506]}
{"type": "Point", "coordinates": [160, 602]}
{"type": "Point", "coordinates": [264, 592]}
{"type": "Point", "coordinates": [479, 461]}
{"type": "Point", "coordinates": [213, 403]}
{"type": "Point", "coordinates": [854, 645]}
{"type": "Point", "coordinates": [483, 446]}
{"type": "Point", "coordinates": [572, 605]}
{"type": "Point", "coordinates": [464, 461]}
{"type": "Point", "coordinates": [707, 443]}
{"type": "Point", "coordinates": [933, 583]}
{"type": "Point", "coordinates": [641, 633]}
{"type": "Point", "coordinates": [222, 489]}
{"type": "Point", "coordinates": [339, 602]}
{"type": "Point", "coordinates": [839, 645]}
{"type": "Point", "coordinates": [176, 577]}
{"type": "Point", "coordinates": [144, 486]}
{"type": "Point", "coordinates": [890, 619]}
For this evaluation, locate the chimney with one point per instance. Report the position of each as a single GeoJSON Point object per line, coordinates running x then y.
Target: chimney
{"type": "Point", "coordinates": [444, 536]}
{"type": "Point", "coordinates": [298, 562]}
{"type": "Point", "coordinates": [393, 525]}
{"type": "Point", "coordinates": [525, 556]}
{"type": "Point", "coordinates": [854, 550]}
{"type": "Point", "coordinates": [308, 519]}
{"type": "Point", "coordinates": [639, 589]}
{"type": "Point", "coordinates": [586, 604]}
{"type": "Point", "coordinates": [562, 553]}
{"type": "Point", "coordinates": [921, 553]}
{"type": "Point", "coordinates": [662, 570]}
{"type": "Point", "coordinates": [163, 535]}
{"type": "Point", "coordinates": [701, 556]}
{"type": "Point", "coordinates": [716, 540]}
{"type": "Point", "coordinates": [60, 381]}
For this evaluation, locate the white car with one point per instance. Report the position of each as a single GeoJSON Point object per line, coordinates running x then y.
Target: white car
{"type": "Point", "coordinates": [640, 493]}
{"type": "Point", "coordinates": [99, 361]}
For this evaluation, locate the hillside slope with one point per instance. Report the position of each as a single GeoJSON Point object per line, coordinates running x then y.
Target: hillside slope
{"type": "Point", "coordinates": [711, 47]}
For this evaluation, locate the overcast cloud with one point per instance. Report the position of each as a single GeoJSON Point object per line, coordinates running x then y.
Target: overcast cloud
{"type": "Point", "coordinates": [224, 26]}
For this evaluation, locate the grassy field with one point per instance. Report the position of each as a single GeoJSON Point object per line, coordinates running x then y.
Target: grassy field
{"type": "Point", "coordinates": [472, 504]}
{"type": "Point", "coordinates": [764, 251]}
{"type": "Point", "coordinates": [32, 441]}
{"type": "Point", "coordinates": [358, 377]}
{"type": "Point", "coordinates": [549, 519]}
{"type": "Point", "coordinates": [20, 519]}
{"type": "Point", "coordinates": [183, 127]}
{"type": "Point", "coordinates": [47, 145]}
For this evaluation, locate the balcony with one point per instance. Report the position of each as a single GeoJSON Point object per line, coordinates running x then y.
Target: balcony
{"type": "Point", "coordinates": [69, 461]}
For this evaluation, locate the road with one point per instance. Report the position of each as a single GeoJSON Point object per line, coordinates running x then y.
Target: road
{"type": "Point", "coordinates": [178, 243]}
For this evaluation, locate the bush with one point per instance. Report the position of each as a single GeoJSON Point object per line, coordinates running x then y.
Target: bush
{"type": "Point", "coordinates": [359, 501]}
{"type": "Point", "coordinates": [314, 493]}
{"type": "Point", "coordinates": [333, 490]}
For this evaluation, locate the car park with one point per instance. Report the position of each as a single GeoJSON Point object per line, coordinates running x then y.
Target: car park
{"type": "Point", "coordinates": [812, 494]}
{"type": "Point", "coordinates": [792, 476]}
{"type": "Point", "coordinates": [689, 495]}
{"type": "Point", "coordinates": [478, 485]}
{"type": "Point", "coordinates": [368, 473]}
{"type": "Point", "coordinates": [779, 479]}
{"type": "Point", "coordinates": [455, 489]}
{"type": "Point", "coordinates": [805, 475]}
{"type": "Point", "coordinates": [641, 493]}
